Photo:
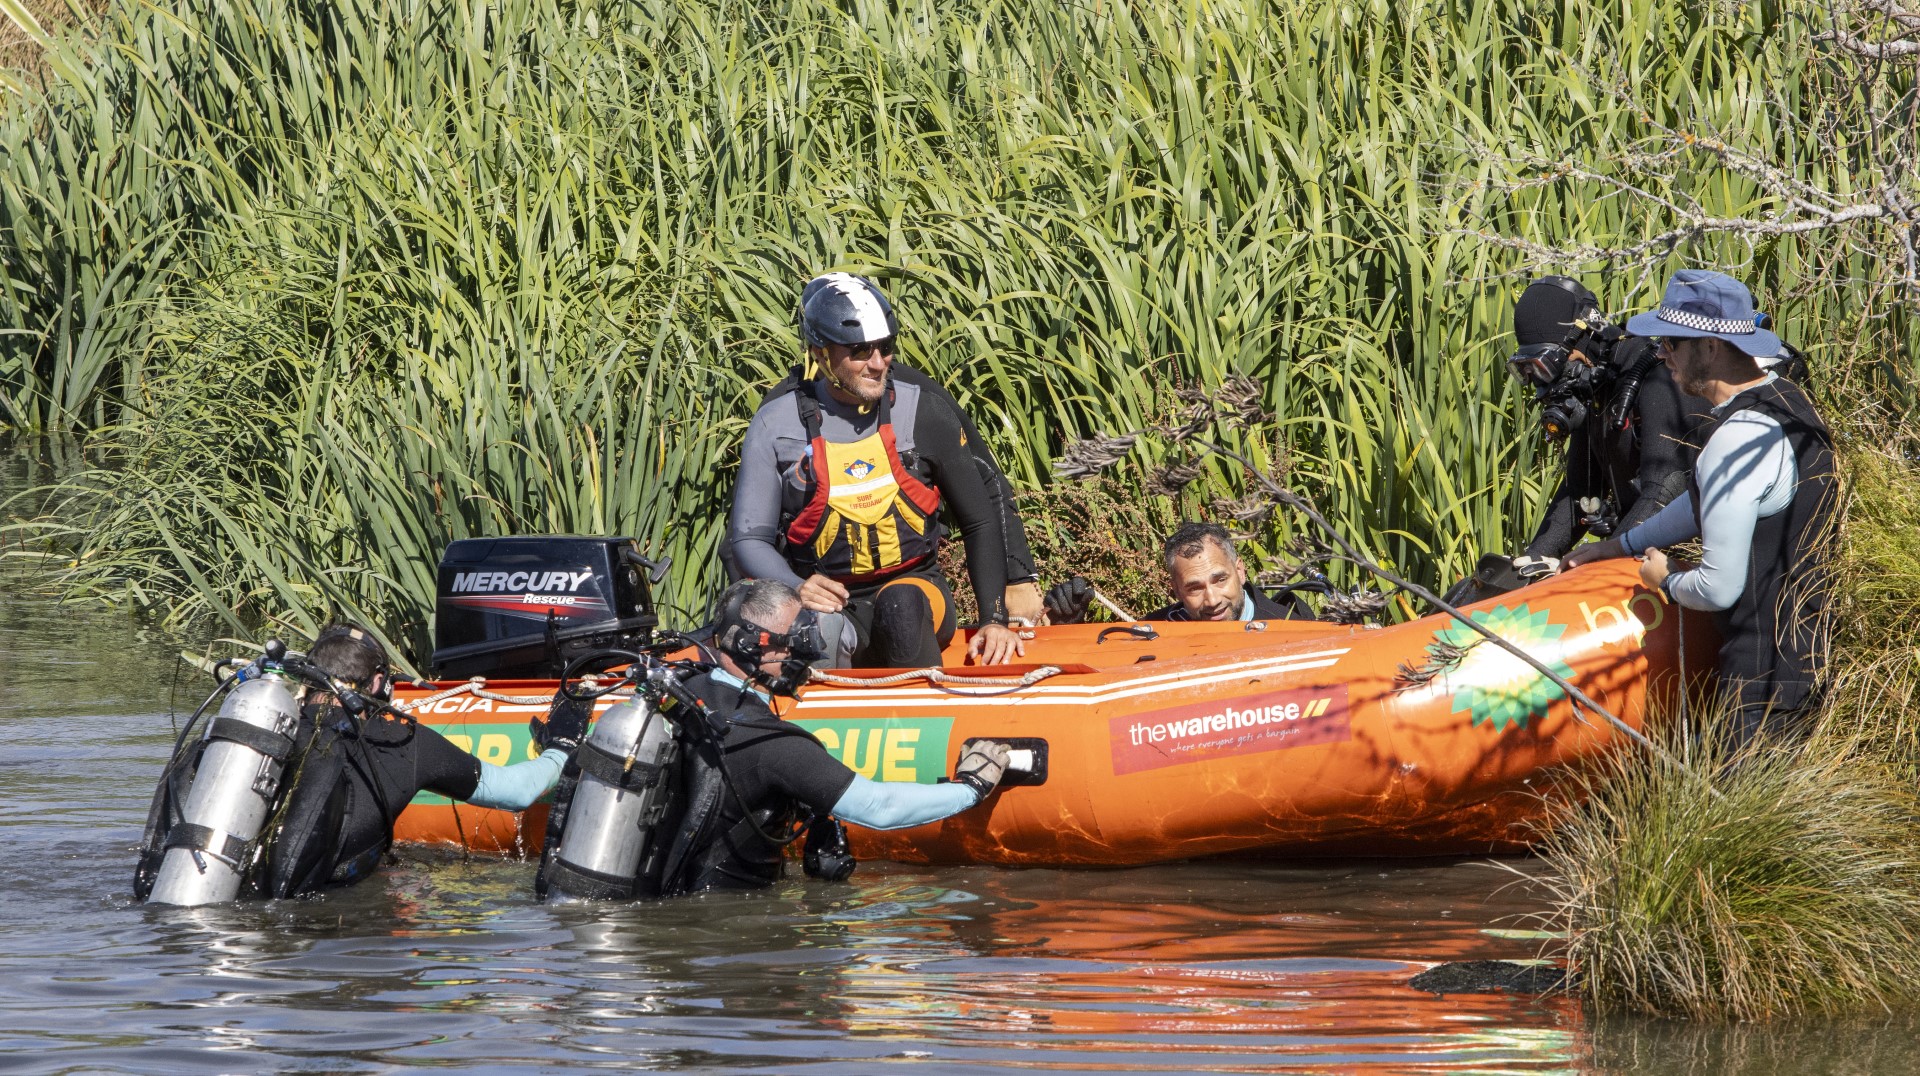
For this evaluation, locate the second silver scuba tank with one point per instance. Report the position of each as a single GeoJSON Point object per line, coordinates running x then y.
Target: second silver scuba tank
{"type": "Point", "coordinates": [233, 792]}
{"type": "Point", "coordinates": [621, 796]}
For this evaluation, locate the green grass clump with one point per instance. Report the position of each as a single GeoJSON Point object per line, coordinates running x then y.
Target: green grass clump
{"type": "Point", "coordinates": [1768, 884]}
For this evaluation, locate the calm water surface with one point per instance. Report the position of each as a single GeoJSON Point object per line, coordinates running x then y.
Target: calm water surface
{"type": "Point", "coordinates": [445, 962]}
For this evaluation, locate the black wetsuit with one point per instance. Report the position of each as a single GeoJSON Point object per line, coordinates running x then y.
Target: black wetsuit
{"type": "Point", "coordinates": [349, 783]}
{"type": "Point", "coordinates": [1631, 469]}
{"type": "Point", "coordinates": [1264, 608]}
{"type": "Point", "coordinates": [775, 768]}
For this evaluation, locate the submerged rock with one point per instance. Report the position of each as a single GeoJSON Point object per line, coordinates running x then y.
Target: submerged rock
{"type": "Point", "coordinates": [1488, 977]}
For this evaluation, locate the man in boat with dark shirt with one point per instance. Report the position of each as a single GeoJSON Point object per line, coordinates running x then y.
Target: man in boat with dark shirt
{"type": "Point", "coordinates": [842, 483]}
{"type": "Point", "coordinates": [1206, 577]}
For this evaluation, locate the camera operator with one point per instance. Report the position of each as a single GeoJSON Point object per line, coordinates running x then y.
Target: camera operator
{"type": "Point", "coordinates": [1626, 425]}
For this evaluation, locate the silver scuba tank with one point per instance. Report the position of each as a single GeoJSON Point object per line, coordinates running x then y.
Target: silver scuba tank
{"type": "Point", "coordinates": [619, 800]}
{"type": "Point", "coordinates": [233, 792]}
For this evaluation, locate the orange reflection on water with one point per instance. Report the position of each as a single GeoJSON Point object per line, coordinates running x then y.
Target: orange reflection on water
{"type": "Point", "coordinates": [1127, 985]}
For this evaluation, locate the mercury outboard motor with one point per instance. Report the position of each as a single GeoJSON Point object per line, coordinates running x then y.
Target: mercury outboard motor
{"type": "Point", "coordinates": [606, 826]}
{"type": "Point", "coordinates": [526, 606]}
{"type": "Point", "coordinates": [210, 847]}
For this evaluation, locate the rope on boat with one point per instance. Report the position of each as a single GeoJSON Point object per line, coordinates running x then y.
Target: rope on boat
{"type": "Point", "coordinates": [477, 686]}
{"type": "Point", "coordinates": [938, 677]}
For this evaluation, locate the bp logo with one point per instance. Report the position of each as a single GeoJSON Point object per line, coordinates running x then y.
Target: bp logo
{"type": "Point", "coordinates": [1493, 686]}
{"type": "Point", "coordinates": [858, 469]}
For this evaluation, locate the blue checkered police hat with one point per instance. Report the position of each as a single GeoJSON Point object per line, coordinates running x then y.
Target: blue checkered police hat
{"type": "Point", "coordinates": [1700, 302]}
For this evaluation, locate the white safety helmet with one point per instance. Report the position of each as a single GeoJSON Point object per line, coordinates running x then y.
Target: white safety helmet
{"type": "Point", "coordinates": [844, 309]}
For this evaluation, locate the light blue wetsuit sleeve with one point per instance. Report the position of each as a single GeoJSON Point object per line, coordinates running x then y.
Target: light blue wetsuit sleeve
{"type": "Point", "coordinates": [1746, 473]}
{"type": "Point", "coordinates": [519, 786]}
{"type": "Point", "coordinates": [755, 521]}
{"type": "Point", "coordinates": [899, 804]}
{"type": "Point", "coordinates": [1669, 526]}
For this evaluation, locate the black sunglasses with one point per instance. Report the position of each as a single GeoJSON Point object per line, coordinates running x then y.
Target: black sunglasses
{"type": "Point", "coordinates": [865, 352]}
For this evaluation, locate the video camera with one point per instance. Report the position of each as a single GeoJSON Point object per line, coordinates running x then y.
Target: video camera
{"type": "Point", "coordinates": [1569, 376]}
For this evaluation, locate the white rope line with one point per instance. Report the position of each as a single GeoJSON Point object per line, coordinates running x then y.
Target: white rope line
{"type": "Point", "coordinates": [935, 676]}
{"type": "Point", "coordinates": [477, 686]}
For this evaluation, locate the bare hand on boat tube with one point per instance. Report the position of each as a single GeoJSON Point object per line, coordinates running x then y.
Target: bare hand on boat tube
{"type": "Point", "coordinates": [981, 768]}
{"type": "Point", "coordinates": [995, 644]}
{"type": "Point", "coordinates": [1593, 551]}
{"type": "Point", "coordinates": [822, 595]}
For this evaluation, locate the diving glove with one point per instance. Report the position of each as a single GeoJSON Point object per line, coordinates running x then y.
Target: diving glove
{"type": "Point", "coordinates": [981, 766]}
{"type": "Point", "coordinates": [1532, 568]}
{"type": "Point", "coordinates": [1068, 602]}
{"type": "Point", "coordinates": [565, 725]}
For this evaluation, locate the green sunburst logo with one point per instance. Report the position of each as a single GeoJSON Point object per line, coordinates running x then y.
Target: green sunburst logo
{"type": "Point", "coordinates": [1495, 687]}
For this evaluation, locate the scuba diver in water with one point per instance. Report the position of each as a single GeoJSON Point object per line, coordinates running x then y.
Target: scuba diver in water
{"type": "Point", "coordinates": [1628, 429]}
{"type": "Point", "coordinates": [1206, 577]}
{"type": "Point", "coordinates": [322, 780]}
{"type": "Point", "coordinates": [740, 778]}
{"type": "Point", "coordinates": [843, 477]}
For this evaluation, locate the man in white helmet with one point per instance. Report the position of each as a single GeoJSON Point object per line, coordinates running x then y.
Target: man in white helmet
{"type": "Point", "coordinates": [843, 480]}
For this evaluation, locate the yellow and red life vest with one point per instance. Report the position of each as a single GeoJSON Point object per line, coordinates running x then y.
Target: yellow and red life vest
{"type": "Point", "coordinates": [868, 517]}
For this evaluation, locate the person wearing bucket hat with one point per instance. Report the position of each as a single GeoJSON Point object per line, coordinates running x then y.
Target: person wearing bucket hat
{"type": "Point", "coordinates": [1762, 502]}
{"type": "Point", "coordinates": [844, 478]}
{"type": "Point", "coordinates": [1627, 429]}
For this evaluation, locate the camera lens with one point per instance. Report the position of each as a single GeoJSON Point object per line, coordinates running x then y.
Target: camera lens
{"type": "Point", "coordinates": [1562, 416]}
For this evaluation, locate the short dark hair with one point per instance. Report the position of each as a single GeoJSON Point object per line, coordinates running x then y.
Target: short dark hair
{"type": "Point", "coordinates": [349, 653]}
{"type": "Point", "coordinates": [760, 600]}
{"type": "Point", "coordinates": [1191, 538]}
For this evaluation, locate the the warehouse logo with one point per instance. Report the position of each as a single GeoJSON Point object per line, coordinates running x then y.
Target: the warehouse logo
{"type": "Point", "coordinates": [1243, 726]}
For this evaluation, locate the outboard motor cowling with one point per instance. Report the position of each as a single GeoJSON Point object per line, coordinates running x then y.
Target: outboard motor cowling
{"type": "Point", "coordinates": [527, 605]}
{"type": "Point", "coordinates": [622, 793]}
{"type": "Point", "coordinates": [245, 748]}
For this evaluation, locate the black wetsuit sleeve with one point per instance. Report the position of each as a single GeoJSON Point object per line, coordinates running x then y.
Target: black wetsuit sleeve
{"type": "Point", "coordinates": [937, 435]}
{"type": "Point", "coordinates": [1560, 526]}
{"type": "Point", "coordinates": [442, 767]}
{"type": "Point", "coordinates": [1012, 532]}
{"type": "Point", "coordinates": [1585, 476]}
{"type": "Point", "coordinates": [1667, 422]}
{"type": "Point", "coordinates": [795, 766]}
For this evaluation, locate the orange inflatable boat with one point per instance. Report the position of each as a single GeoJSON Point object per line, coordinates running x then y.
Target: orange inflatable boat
{"type": "Point", "coordinates": [1165, 741]}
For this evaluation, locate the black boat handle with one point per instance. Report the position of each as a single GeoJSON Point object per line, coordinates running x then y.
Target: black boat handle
{"type": "Point", "coordinates": [1141, 632]}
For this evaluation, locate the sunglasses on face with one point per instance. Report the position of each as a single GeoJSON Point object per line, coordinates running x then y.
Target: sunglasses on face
{"type": "Point", "coordinates": [866, 352]}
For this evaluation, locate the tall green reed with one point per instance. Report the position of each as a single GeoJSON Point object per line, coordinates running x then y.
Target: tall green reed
{"type": "Point", "coordinates": [448, 269]}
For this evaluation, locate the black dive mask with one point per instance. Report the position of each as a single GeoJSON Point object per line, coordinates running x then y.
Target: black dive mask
{"type": "Point", "coordinates": [747, 643]}
{"type": "Point", "coordinates": [1539, 365]}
